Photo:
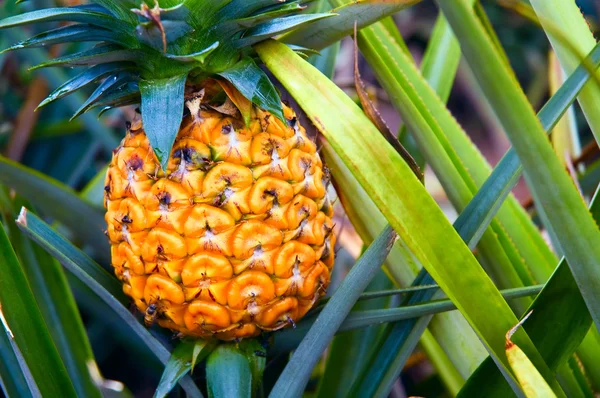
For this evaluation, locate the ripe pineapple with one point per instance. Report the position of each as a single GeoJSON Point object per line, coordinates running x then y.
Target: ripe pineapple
{"type": "Point", "coordinates": [217, 215]}
{"type": "Point", "coordinates": [236, 236]}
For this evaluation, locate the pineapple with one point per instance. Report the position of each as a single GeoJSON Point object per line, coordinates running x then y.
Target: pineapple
{"type": "Point", "coordinates": [217, 211]}
{"type": "Point", "coordinates": [235, 237]}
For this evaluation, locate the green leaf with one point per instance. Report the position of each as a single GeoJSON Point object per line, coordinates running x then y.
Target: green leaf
{"type": "Point", "coordinates": [290, 339]}
{"type": "Point", "coordinates": [573, 34]}
{"type": "Point", "coordinates": [162, 112]}
{"type": "Point", "coordinates": [554, 193]}
{"type": "Point", "coordinates": [407, 206]}
{"type": "Point", "coordinates": [59, 202]}
{"type": "Point", "coordinates": [296, 374]}
{"type": "Point", "coordinates": [101, 54]}
{"type": "Point", "coordinates": [325, 32]}
{"type": "Point", "coordinates": [508, 171]}
{"type": "Point", "coordinates": [560, 296]}
{"type": "Point", "coordinates": [278, 26]}
{"type": "Point", "coordinates": [255, 85]}
{"type": "Point", "coordinates": [85, 78]}
{"type": "Point", "coordinates": [71, 34]}
{"type": "Point", "coordinates": [181, 362]}
{"type": "Point", "coordinates": [27, 327]}
{"type": "Point", "coordinates": [111, 84]}
{"type": "Point", "coordinates": [100, 282]}
{"type": "Point", "coordinates": [347, 351]}
{"type": "Point", "coordinates": [58, 307]}
{"type": "Point", "coordinates": [228, 373]}
{"type": "Point", "coordinates": [83, 14]}
{"type": "Point", "coordinates": [13, 379]}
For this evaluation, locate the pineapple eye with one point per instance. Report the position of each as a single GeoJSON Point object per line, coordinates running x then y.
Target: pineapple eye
{"type": "Point", "coordinates": [160, 287]}
{"type": "Point", "coordinates": [206, 315]}
{"type": "Point", "coordinates": [250, 287]}
{"type": "Point", "coordinates": [267, 191]}
{"type": "Point", "coordinates": [200, 267]}
{"type": "Point", "coordinates": [279, 314]}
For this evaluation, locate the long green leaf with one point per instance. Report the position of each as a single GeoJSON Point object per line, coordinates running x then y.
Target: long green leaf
{"type": "Point", "coordinates": [290, 339]}
{"type": "Point", "coordinates": [58, 307]}
{"type": "Point", "coordinates": [408, 207]}
{"type": "Point", "coordinates": [574, 30]}
{"type": "Point", "coordinates": [27, 327]}
{"type": "Point", "coordinates": [327, 31]}
{"type": "Point", "coordinates": [13, 381]}
{"type": "Point", "coordinates": [90, 274]}
{"type": "Point", "coordinates": [294, 377]}
{"type": "Point", "coordinates": [563, 209]}
{"type": "Point", "coordinates": [546, 329]}
{"type": "Point", "coordinates": [59, 202]}
{"type": "Point", "coordinates": [162, 110]}
{"type": "Point", "coordinates": [348, 350]}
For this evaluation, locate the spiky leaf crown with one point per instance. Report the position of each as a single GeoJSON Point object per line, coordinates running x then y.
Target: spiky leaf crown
{"type": "Point", "coordinates": [146, 52]}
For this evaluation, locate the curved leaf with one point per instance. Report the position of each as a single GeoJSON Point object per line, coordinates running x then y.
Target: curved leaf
{"type": "Point", "coordinates": [57, 305]}
{"type": "Point", "coordinates": [84, 14]}
{"type": "Point", "coordinates": [27, 327]}
{"type": "Point", "coordinates": [70, 34]}
{"type": "Point", "coordinates": [278, 26]}
{"type": "Point", "coordinates": [325, 32]}
{"type": "Point", "coordinates": [100, 54]}
{"type": "Point", "coordinates": [90, 274]}
{"type": "Point", "coordinates": [88, 76]}
{"type": "Point", "coordinates": [59, 202]}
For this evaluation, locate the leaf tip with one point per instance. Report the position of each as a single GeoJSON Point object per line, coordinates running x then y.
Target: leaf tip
{"type": "Point", "coordinates": [22, 218]}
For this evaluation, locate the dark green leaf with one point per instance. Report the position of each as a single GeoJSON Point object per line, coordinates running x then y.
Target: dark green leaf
{"type": "Point", "coordinates": [71, 34]}
{"type": "Point", "coordinates": [59, 202]}
{"type": "Point", "coordinates": [111, 83]}
{"type": "Point", "coordinates": [255, 85]}
{"type": "Point", "coordinates": [88, 76]}
{"type": "Point", "coordinates": [100, 54]}
{"type": "Point", "coordinates": [27, 327]}
{"type": "Point", "coordinates": [162, 111]}
{"type": "Point", "coordinates": [90, 273]}
{"type": "Point", "coordinates": [12, 379]}
{"type": "Point", "coordinates": [296, 374]}
{"type": "Point", "coordinates": [83, 14]}
{"type": "Point", "coordinates": [278, 26]}
{"type": "Point", "coordinates": [198, 56]}
{"type": "Point", "coordinates": [57, 305]}
{"type": "Point", "coordinates": [182, 360]}
{"type": "Point", "coordinates": [327, 31]}
{"type": "Point", "coordinates": [228, 373]}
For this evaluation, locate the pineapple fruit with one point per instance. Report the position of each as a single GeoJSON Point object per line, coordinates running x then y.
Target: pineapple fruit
{"type": "Point", "coordinates": [235, 237]}
{"type": "Point", "coordinates": [218, 216]}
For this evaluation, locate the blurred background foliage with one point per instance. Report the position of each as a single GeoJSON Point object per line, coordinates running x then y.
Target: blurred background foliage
{"type": "Point", "coordinates": [76, 151]}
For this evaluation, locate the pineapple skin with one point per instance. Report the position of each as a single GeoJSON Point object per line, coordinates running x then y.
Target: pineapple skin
{"type": "Point", "coordinates": [237, 237]}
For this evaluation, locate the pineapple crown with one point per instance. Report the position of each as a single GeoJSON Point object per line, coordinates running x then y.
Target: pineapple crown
{"type": "Point", "coordinates": [145, 53]}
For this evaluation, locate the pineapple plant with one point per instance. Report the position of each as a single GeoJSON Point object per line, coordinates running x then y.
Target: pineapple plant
{"type": "Point", "coordinates": [219, 225]}
{"type": "Point", "coordinates": [218, 216]}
